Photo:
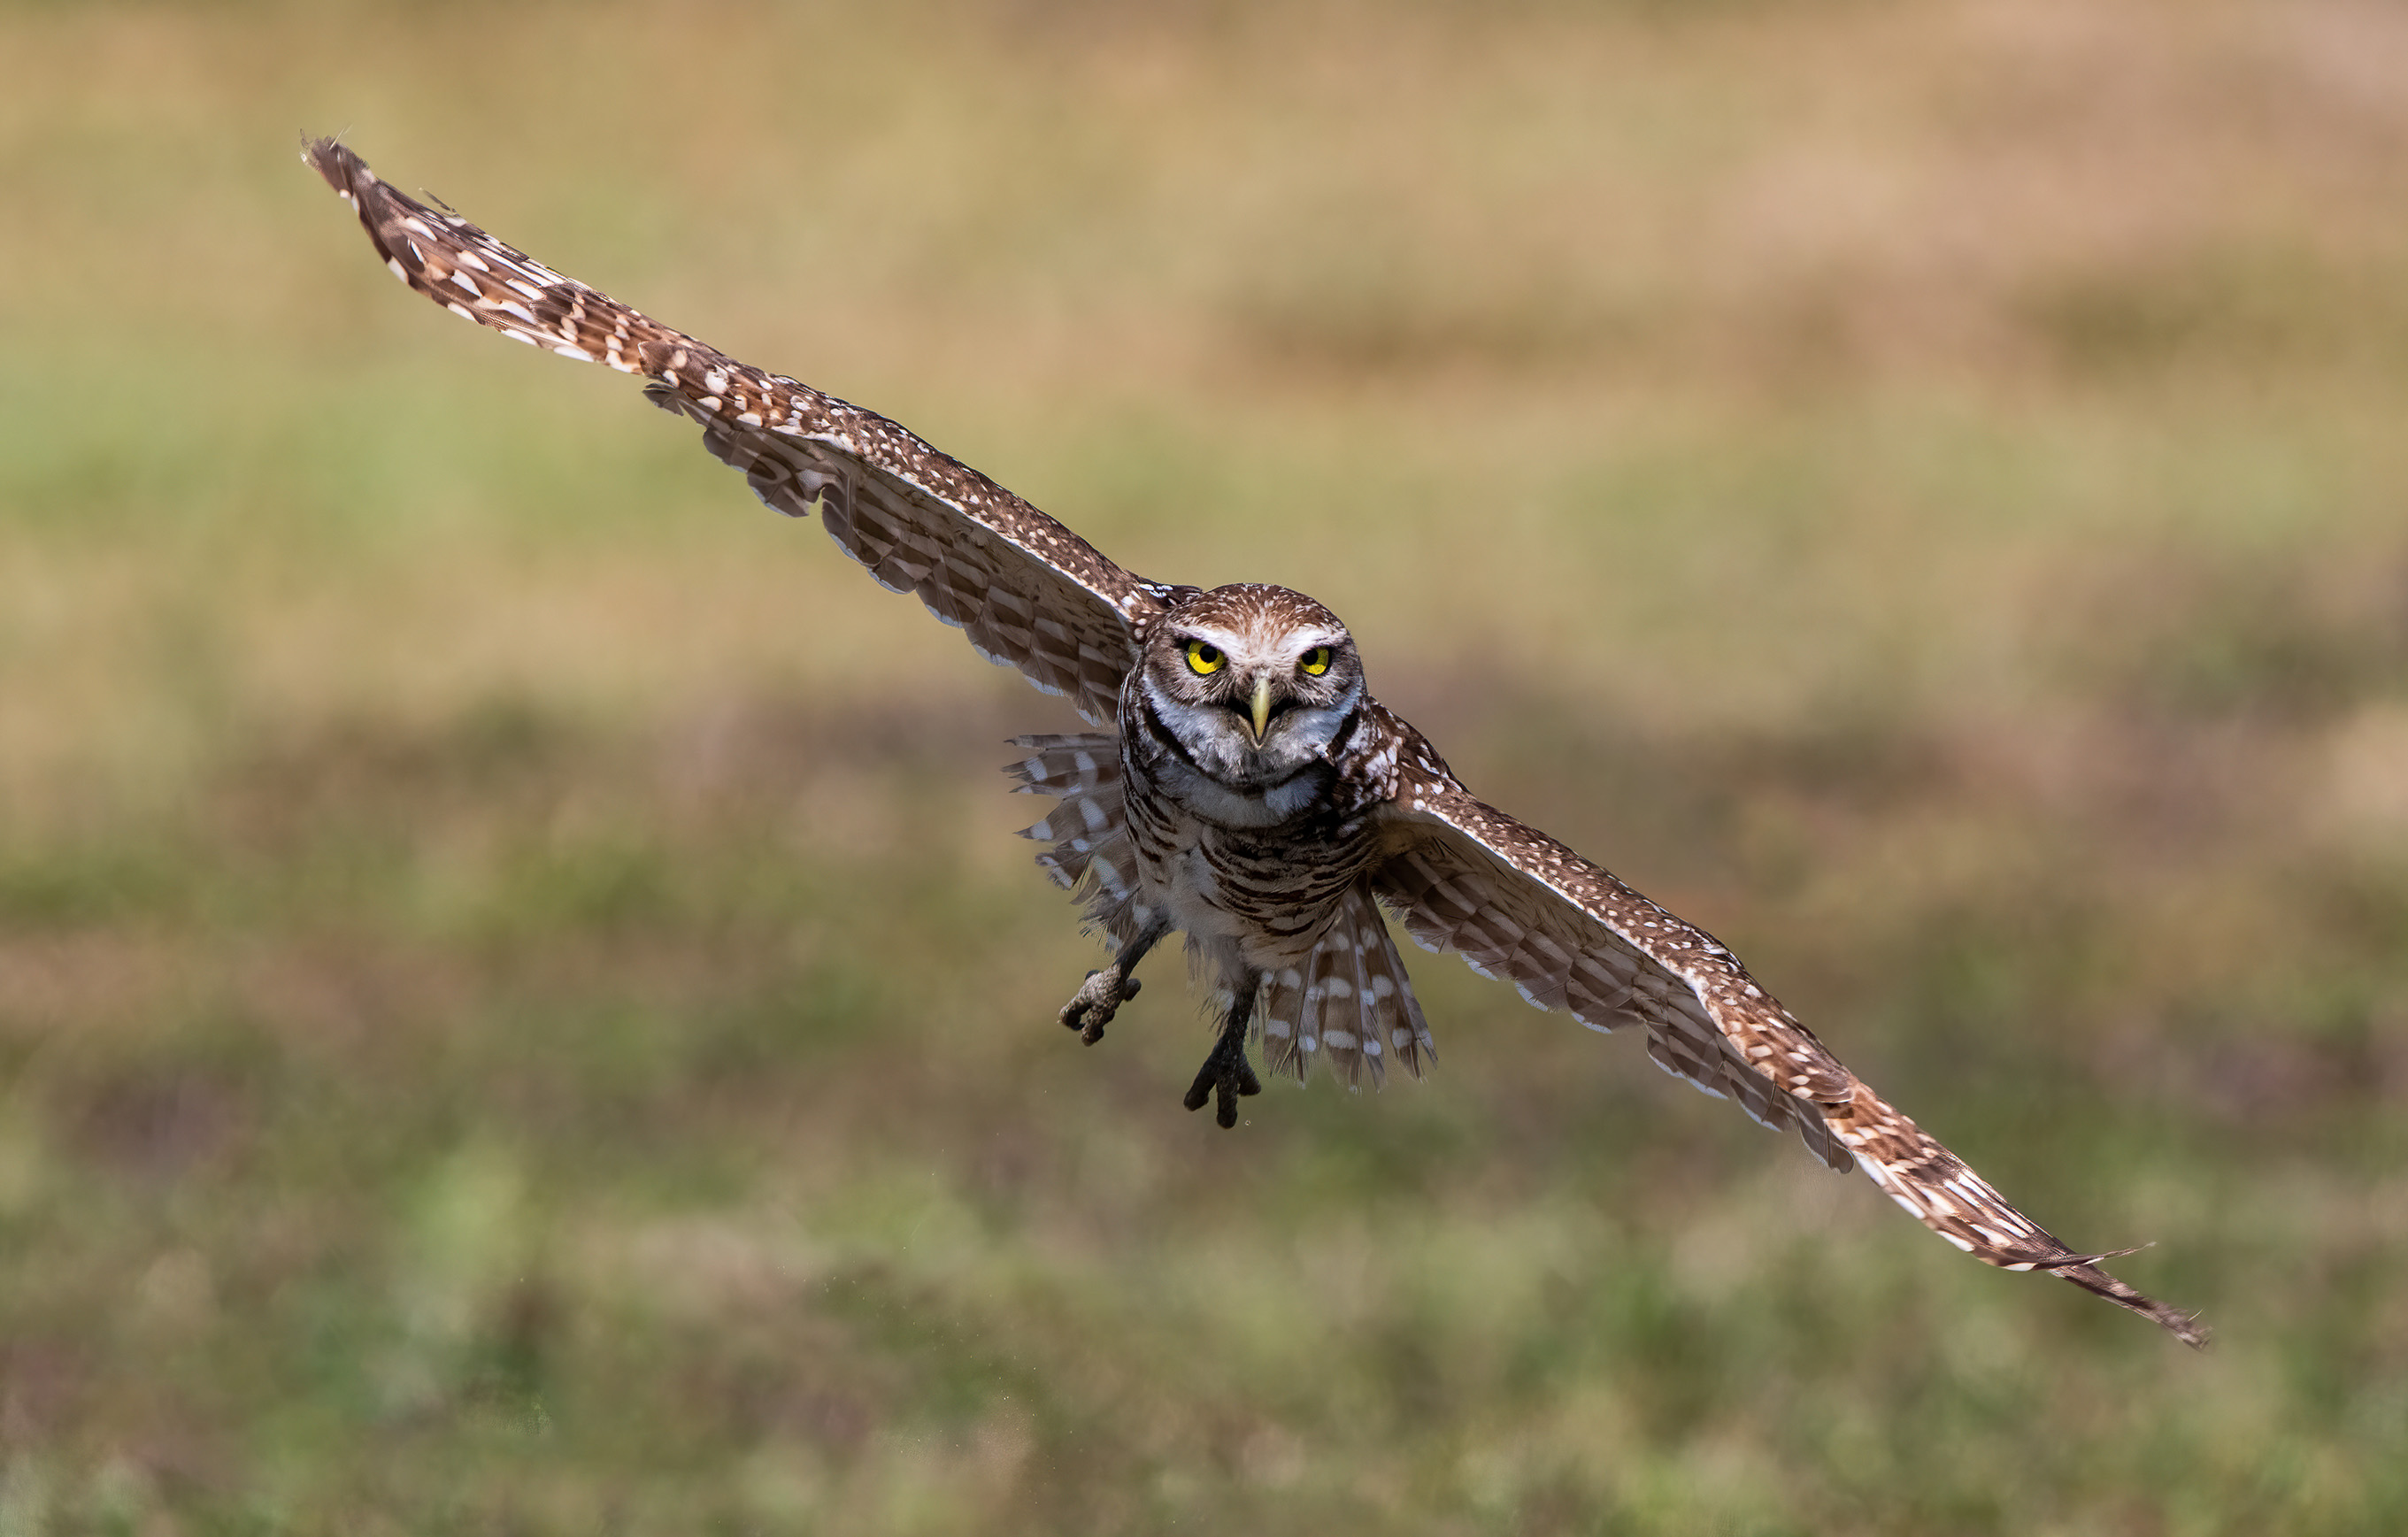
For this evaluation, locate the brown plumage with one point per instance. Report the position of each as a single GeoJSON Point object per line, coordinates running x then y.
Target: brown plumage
{"type": "Point", "coordinates": [1247, 791]}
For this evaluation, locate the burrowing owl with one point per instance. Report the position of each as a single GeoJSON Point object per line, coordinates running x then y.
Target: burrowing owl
{"type": "Point", "coordinates": [1244, 787]}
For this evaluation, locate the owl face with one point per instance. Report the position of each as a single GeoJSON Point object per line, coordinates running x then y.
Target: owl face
{"type": "Point", "coordinates": [1254, 683]}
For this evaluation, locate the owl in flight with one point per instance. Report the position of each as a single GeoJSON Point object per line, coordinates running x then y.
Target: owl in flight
{"type": "Point", "coordinates": [1243, 787]}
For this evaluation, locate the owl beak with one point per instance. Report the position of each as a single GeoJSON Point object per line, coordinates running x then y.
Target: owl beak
{"type": "Point", "coordinates": [1262, 706]}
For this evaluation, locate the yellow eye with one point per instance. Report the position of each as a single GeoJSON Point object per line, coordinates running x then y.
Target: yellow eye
{"type": "Point", "coordinates": [1316, 661]}
{"type": "Point", "coordinates": [1202, 658]}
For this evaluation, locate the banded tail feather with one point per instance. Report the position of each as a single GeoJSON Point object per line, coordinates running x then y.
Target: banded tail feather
{"type": "Point", "coordinates": [1347, 1002]}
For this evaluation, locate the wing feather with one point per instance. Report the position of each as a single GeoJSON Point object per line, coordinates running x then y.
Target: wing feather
{"type": "Point", "coordinates": [1031, 593]}
{"type": "Point", "coordinates": [1521, 907]}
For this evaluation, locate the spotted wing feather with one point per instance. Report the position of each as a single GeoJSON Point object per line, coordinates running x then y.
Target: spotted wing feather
{"type": "Point", "coordinates": [1520, 906]}
{"type": "Point", "coordinates": [1935, 1186]}
{"type": "Point", "coordinates": [1031, 594]}
{"type": "Point", "coordinates": [1463, 898]}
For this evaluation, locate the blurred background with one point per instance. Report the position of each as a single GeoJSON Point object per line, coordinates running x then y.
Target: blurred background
{"type": "Point", "coordinates": [520, 1009]}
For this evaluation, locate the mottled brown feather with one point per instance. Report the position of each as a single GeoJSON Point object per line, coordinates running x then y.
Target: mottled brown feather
{"type": "Point", "coordinates": [1519, 905]}
{"type": "Point", "coordinates": [1031, 594]}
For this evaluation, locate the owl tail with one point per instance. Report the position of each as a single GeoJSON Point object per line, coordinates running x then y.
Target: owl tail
{"type": "Point", "coordinates": [1349, 1000]}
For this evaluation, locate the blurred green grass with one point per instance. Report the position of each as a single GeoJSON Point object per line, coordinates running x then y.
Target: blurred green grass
{"type": "Point", "coordinates": [520, 1010]}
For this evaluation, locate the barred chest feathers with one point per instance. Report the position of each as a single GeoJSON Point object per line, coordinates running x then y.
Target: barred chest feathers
{"type": "Point", "coordinates": [1251, 767]}
{"type": "Point", "coordinates": [1228, 726]}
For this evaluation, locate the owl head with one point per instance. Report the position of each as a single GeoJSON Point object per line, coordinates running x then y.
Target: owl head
{"type": "Point", "coordinates": [1253, 682]}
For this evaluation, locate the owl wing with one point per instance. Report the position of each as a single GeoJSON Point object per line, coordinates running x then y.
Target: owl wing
{"type": "Point", "coordinates": [1517, 905]}
{"type": "Point", "coordinates": [1029, 593]}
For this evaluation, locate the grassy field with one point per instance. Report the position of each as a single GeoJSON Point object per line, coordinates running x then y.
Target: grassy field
{"type": "Point", "coordinates": [520, 1012]}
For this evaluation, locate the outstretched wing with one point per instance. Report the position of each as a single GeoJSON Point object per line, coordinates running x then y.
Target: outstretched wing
{"type": "Point", "coordinates": [1029, 593]}
{"type": "Point", "coordinates": [1518, 905]}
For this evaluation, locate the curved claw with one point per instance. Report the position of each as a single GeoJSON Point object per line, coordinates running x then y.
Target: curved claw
{"type": "Point", "coordinates": [1224, 1076]}
{"type": "Point", "coordinates": [1092, 1007]}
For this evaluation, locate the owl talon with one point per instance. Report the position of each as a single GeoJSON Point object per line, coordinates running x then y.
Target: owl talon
{"type": "Point", "coordinates": [1092, 1007]}
{"type": "Point", "coordinates": [1224, 1076]}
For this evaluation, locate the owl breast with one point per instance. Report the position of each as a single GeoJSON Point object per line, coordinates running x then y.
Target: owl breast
{"type": "Point", "coordinates": [1252, 875]}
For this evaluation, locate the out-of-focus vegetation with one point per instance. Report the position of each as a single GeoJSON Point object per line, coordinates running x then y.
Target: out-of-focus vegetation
{"type": "Point", "coordinates": [519, 1011]}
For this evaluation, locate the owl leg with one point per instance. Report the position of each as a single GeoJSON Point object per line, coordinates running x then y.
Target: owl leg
{"type": "Point", "coordinates": [1226, 1074]}
{"type": "Point", "coordinates": [1091, 1007]}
